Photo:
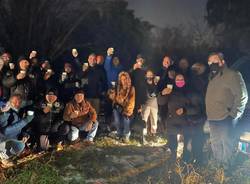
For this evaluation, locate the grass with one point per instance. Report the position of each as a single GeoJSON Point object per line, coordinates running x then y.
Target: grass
{"type": "Point", "coordinates": [80, 164]}
{"type": "Point", "coordinates": [34, 173]}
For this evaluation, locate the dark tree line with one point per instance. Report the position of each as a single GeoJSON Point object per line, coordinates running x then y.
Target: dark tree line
{"type": "Point", "coordinates": [230, 20]}
{"type": "Point", "coordinates": [53, 27]}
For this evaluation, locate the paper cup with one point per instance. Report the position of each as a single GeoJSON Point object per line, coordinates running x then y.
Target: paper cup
{"type": "Point", "coordinates": [49, 70]}
{"type": "Point", "coordinates": [86, 64]}
{"type": "Point", "coordinates": [113, 83]}
{"type": "Point", "coordinates": [30, 113]}
{"type": "Point", "coordinates": [23, 72]}
{"type": "Point", "coordinates": [11, 65]}
{"type": "Point", "coordinates": [170, 86]}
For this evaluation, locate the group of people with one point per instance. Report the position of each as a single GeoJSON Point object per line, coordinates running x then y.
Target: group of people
{"type": "Point", "coordinates": [47, 108]}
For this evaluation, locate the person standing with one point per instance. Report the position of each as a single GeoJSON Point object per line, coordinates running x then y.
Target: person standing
{"type": "Point", "coordinates": [96, 82]}
{"type": "Point", "coordinates": [226, 98]}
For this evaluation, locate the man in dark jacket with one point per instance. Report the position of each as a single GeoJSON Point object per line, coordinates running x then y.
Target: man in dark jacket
{"type": "Point", "coordinates": [69, 81]}
{"type": "Point", "coordinates": [95, 82]}
{"type": "Point", "coordinates": [138, 81]}
{"type": "Point", "coordinates": [48, 117]}
{"type": "Point", "coordinates": [226, 99]}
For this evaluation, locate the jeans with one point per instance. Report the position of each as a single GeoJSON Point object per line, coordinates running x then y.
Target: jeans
{"type": "Point", "coordinates": [92, 133]}
{"type": "Point", "coordinates": [122, 124]}
{"type": "Point", "coordinates": [222, 139]}
{"type": "Point", "coordinates": [13, 130]}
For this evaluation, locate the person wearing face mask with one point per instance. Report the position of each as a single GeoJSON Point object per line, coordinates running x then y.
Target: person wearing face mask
{"type": "Point", "coordinates": [150, 107]}
{"type": "Point", "coordinates": [47, 121]}
{"type": "Point", "coordinates": [226, 98]}
{"type": "Point", "coordinates": [14, 117]}
{"type": "Point", "coordinates": [179, 107]}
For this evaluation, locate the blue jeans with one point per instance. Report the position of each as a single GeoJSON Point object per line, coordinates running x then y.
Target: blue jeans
{"type": "Point", "coordinates": [222, 139]}
{"type": "Point", "coordinates": [13, 130]}
{"type": "Point", "coordinates": [92, 133]}
{"type": "Point", "coordinates": [122, 124]}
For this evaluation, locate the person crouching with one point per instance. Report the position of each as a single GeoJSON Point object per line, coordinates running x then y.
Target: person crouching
{"type": "Point", "coordinates": [123, 98]}
{"type": "Point", "coordinates": [82, 116]}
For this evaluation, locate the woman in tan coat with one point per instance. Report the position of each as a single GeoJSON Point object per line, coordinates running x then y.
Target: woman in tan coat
{"type": "Point", "coordinates": [123, 98]}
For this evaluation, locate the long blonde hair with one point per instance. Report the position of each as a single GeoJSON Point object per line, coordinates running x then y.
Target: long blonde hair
{"type": "Point", "coordinates": [122, 92]}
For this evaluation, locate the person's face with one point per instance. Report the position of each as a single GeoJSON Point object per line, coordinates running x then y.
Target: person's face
{"type": "Point", "coordinates": [179, 81]}
{"type": "Point", "coordinates": [183, 64]}
{"type": "Point", "coordinates": [179, 77]}
{"type": "Point", "coordinates": [79, 97]}
{"type": "Point", "coordinates": [67, 68]}
{"type": "Point", "coordinates": [99, 60]}
{"type": "Point", "coordinates": [92, 60]}
{"type": "Point", "coordinates": [166, 62]}
{"type": "Point", "coordinates": [24, 64]}
{"type": "Point", "coordinates": [15, 102]}
{"type": "Point", "coordinates": [150, 76]}
{"type": "Point", "coordinates": [6, 58]}
{"type": "Point", "coordinates": [139, 62]}
{"type": "Point", "coordinates": [45, 65]}
{"type": "Point", "coordinates": [116, 61]}
{"type": "Point", "coordinates": [51, 98]}
{"type": "Point", "coordinates": [123, 80]}
{"type": "Point", "coordinates": [215, 59]}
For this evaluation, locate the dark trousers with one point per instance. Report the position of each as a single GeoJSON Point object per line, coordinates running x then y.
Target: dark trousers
{"type": "Point", "coordinates": [193, 143]}
{"type": "Point", "coordinates": [222, 139]}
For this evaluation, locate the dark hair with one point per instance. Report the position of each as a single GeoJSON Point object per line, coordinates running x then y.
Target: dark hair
{"type": "Point", "coordinates": [219, 54]}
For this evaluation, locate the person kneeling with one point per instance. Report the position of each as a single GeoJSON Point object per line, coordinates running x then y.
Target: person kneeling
{"type": "Point", "coordinates": [81, 115]}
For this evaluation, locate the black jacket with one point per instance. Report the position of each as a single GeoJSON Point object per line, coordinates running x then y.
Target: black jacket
{"type": "Point", "coordinates": [96, 82]}
{"type": "Point", "coordinates": [43, 123]}
{"type": "Point", "coordinates": [138, 81]}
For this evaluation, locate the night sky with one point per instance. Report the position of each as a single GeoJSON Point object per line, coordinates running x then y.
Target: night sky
{"type": "Point", "coordinates": [168, 12]}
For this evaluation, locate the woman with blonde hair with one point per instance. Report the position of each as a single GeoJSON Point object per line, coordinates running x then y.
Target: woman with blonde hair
{"type": "Point", "coordinates": [123, 99]}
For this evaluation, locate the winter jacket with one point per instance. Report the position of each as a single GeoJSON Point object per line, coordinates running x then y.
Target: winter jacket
{"type": "Point", "coordinates": [86, 113]}
{"type": "Point", "coordinates": [226, 95]}
{"type": "Point", "coordinates": [43, 122]}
